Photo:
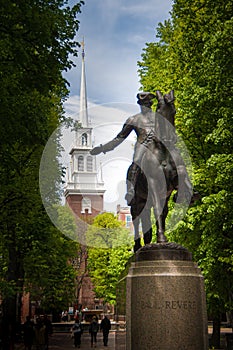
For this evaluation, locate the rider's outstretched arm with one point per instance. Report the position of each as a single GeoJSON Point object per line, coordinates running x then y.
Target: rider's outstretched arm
{"type": "Point", "coordinates": [109, 146]}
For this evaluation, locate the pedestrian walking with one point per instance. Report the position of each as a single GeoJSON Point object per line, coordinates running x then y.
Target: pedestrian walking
{"type": "Point", "coordinates": [39, 332]}
{"type": "Point", "coordinates": [64, 316]}
{"type": "Point", "coordinates": [105, 327]}
{"type": "Point", "coordinates": [77, 332]}
{"type": "Point", "coordinates": [93, 330]}
{"type": "Point", "coordinates": [28, 333]}
{"type": "Point", "coordinates": [48, 330]}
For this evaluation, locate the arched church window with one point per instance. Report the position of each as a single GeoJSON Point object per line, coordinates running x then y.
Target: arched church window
{"type": "Point", "coordinates": [89, 163]}
{"type": "Point", "coordinates": [86, 205]}
{"type": "Point", "coordinates": [80, 163]}
{"type": "Point", "coordinates": [84, 139]}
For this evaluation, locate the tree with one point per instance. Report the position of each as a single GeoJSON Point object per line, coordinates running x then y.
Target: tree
{"type": "Point", "coordinates": [110, 247]}
{"type": "Point", "coordinates": [37, 39]}
{"type": "Point", "coordinates": [72, 227]}
{"type": "Point", "coordinates": [194, 56]}
{"type": "Point", "coordinates": [49, 273]}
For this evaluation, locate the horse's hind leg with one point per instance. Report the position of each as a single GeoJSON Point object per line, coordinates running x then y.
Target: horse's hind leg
{"type": "Point", "coordinates": [146, 226]}
{"type": "Point", "coordinates": [161, 238]}
{"type": "Point", "coordinates": [147, 236]}
{"type": "Point", "coordinates": [137, 245]}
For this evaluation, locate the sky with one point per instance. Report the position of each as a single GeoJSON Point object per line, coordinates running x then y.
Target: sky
{"type": "Point", "coordinates": [115, 33]}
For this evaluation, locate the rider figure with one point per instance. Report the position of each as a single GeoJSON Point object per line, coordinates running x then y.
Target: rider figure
{"type": "Point", "coordinates": [149, 129]}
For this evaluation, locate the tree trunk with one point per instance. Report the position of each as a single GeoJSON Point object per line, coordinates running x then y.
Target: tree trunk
{"type": "Point", "coordinates": [12, 304]}
{"type": "Point", "coordinates": [9, 323]}
{"type": "Point", "coordinates": [216, 332]}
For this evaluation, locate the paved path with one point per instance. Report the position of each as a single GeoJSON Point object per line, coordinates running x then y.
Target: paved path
{"type": "Point", "coordinates": [63, 341]}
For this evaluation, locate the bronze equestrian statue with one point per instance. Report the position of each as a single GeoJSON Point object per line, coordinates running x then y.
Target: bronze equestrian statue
{"type": "Point", "coordinates": [157, 168]}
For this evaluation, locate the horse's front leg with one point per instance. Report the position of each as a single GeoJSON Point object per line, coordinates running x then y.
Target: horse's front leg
{"type": "Point", "coordinates": [161, 238]}
{"type": "Point", "coordinates": [137, 239]}
{"type": "Point", "coordinates": [146, 226]}
{"type": "Point", "coordinates": [160, 216]}
{"type": "Point", "coordinates": [160, 224]}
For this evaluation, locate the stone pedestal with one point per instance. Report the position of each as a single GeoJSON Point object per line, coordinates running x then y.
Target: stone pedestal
{"type": "Point", "coordinates": [165, 301]}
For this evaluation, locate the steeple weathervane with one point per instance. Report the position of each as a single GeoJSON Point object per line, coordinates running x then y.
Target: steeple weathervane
{"type": "Point", "coordinates": [83, 52]}
{"type": "Point", "coordinates": [83, 93]}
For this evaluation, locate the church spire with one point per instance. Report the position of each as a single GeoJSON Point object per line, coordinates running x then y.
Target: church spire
{"type": "Point", "coordinates": [84, 190]}
{"type": "Point", "coordinates": [83, 92]}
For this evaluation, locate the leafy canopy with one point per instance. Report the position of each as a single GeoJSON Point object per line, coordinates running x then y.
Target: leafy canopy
{"type": "Point", "coordinates": [107, 260]}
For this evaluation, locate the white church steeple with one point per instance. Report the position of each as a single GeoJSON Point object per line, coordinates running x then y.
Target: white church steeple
{"type": "Point", "coordinates": [83, 93]}
{"type": "Point", "coordinates": [84, 190]}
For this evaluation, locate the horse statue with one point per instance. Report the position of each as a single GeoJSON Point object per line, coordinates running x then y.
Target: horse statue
{"type": "Point", "coordinates": [162, 171]}
{"type": "Point", "coordinates": [155, 183]}
{"type": "Point", "coordinates": [157, 168]}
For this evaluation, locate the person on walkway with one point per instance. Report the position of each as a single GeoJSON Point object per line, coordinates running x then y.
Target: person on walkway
{"type": "Point", "coordinates": [39, 332]}
{"type": "Point", "coordinates": [77, 332]}
{"type": "Point", "coordinates": [93, 330]}
{"type": "Point", "coordinates": [28, 333]}
{"type": "Point", "coordinates": [105, 327]}
{"type": "Point", "coordinates": [64, 316]}
{"type": "Point", "coordinates": [48, 330]}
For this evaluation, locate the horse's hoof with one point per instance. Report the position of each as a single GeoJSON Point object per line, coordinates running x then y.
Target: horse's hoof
{"type": "Point", "coordinates": [137, 245]}
{"type": "Point", "coordinates": [161, 238]}
{"type": "Point", "coordinates": [147, 237]}
{"type": "Point", "coordinates": [130, 199]}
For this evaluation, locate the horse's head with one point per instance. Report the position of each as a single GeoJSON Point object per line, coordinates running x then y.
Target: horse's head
{"type": "Point", "coordinates": [166, 105]}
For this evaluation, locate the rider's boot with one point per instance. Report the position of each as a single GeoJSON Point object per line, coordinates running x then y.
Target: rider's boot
{"type": "Point", "coordinates": [131, 183]}
{"type": "Point", "coordinates": [186, 196]}
{"type": "Point", "coordinates": [130, 194]}
{"type": "Point", "coordinates": [185, 190]}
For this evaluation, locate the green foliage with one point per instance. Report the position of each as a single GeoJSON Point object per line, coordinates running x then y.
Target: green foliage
{"type": "Point", "coordinates": [107, 260]}
{"type": "Point", "coordinates": [48, 275]}
{"type": "Point", "coordinates": [194, 57]}
{"type": "Point", "coordinates": [107, 232]}
{"type": "Point", "coordinates": [37, 39]}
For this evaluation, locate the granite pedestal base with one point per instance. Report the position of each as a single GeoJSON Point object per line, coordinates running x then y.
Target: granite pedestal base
{"type": "Point", "coordinates": [165, 301]}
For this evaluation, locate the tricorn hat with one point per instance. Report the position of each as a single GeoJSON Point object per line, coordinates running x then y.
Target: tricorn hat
{"type": "Point", "coordinates": [145, 96]}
